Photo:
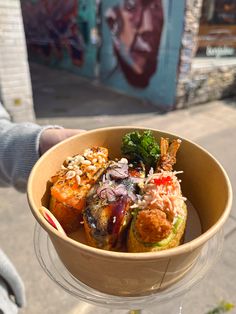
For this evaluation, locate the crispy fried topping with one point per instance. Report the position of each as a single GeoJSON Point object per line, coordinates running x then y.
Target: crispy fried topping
{"type": "Point", "coordinates": [73, 181]}
{"type": "Point", "coordinates": [152, 225]}
{"type": "Point", "coordinates": [168, 154]}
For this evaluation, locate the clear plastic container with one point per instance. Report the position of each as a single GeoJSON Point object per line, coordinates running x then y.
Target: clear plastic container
{"type": "Point", "coordinates": [170, 300]}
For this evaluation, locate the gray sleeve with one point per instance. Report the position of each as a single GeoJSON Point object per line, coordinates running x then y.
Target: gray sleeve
{"type": "Point", "coordinates": [10, 284]}
{"type": "Point", "coordinates": [19, 150]}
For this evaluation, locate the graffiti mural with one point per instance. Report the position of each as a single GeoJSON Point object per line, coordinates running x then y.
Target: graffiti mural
{"type": "Point", "coordinates": [136, 28]}
{"type": "Point", "coordinates": [140, 48]}
{"type": "Point", "coordinates": [132, 45]}
{"type": "Point", "coordinates": [58, 33]}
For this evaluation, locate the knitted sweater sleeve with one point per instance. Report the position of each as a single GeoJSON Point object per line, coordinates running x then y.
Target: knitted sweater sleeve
{"type": "Point", "coordinates": [19, 150]}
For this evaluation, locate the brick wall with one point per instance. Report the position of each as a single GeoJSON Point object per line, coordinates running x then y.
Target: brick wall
{"type": "Point", "coordinates": [15, 81]}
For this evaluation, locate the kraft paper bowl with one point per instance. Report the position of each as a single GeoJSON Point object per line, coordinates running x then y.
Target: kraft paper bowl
{"type": "Point", "coordinates": [204, 183]}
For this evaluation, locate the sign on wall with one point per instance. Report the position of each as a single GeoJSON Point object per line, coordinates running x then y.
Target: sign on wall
{"type": "Point", "coordinates": [217, 31]}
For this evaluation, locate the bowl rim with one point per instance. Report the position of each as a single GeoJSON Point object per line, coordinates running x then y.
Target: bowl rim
{"type": "Point", "coordinates": [183, 248]}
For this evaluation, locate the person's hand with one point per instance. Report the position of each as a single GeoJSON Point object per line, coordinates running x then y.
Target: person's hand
{"type": "Point", "coordinates": [51, 137]}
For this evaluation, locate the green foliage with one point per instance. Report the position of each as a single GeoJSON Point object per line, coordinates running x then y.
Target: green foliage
{"type": "Point", "coordinates": [223, 307]}
{"type": "Point", "coordinates": [141, 146]}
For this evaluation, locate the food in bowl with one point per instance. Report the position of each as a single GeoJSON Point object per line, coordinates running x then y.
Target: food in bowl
{"type": "Point", "coordinates": [72, 183]}
{"type": "Point", "coordinates": [132, 204]}
{"type": "Point", "coordinates": [136, 274]}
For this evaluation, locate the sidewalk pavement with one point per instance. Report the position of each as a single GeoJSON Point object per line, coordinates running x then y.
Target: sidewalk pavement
{"type": "Point", "coordinates": [65, 99]}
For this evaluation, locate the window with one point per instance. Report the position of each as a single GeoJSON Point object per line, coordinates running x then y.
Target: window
{"type": "Point", "coordinates": [217, 31]}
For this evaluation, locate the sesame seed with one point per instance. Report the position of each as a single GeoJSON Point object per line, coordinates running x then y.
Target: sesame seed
{"type": "Point", "coordinates": [79, 172]}
{"type": "Point", "coordinates": [78, 179]}
{"type": "Point", "coordinates": [70, 174]}
{"type": "Point", "coordinates": [80, 158]}
{"type": "Point", "coordinates": [92, 168]}
{"type": "Point", "coordinates": [86, 162]}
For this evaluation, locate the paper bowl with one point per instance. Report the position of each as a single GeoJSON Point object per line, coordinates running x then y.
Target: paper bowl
{"type": "Point", "coordinates": [204, 183]}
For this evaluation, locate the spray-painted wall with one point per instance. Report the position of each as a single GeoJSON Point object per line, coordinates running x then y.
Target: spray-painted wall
{"type": "Point", "coordinates": [139, 49]}
{"type": "Point", "coordinates": [62, 33]}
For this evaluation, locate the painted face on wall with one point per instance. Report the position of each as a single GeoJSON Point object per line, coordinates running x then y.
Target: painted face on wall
{"type": "Point", "coordinates": [136, 27]}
